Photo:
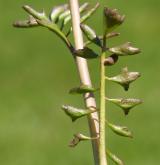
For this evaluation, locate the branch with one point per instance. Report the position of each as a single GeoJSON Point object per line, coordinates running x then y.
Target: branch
{"type": "Point", "coordinates": [85, 76]}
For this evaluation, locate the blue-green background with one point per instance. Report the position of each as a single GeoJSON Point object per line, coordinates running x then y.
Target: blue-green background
{"type": "Point", "coordinates": [36, 72]}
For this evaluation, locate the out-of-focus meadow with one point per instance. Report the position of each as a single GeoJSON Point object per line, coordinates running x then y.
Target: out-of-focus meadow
{"type": "Point", "coordinates": [36, 72]}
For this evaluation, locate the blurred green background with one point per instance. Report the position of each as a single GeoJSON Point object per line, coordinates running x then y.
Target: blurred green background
{"type": "Point", "coordinates": [36, 72]}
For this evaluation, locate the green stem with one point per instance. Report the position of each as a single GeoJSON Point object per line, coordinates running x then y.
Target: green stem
{"type": "Point", "coordinates": [102, 146]}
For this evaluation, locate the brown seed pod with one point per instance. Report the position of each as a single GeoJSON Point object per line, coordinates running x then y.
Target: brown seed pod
{"type": "Point", "coordinates": [111, 60]}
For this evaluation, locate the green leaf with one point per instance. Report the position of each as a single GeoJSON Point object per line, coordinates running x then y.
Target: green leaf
{"type": "Point", "coordinates": [86, 53]}
{"type": "Point", "coordinates": [82, 89]}
{"type": "Point", "coordinates": [114, 158]}
{"type": "Point", "coordinates": [120, 130]}
{"type": "Point", "coordinates": [76, 113]}
{"type": "Point", "coordinates": [125, 78]}
{"type": "Point", "coordinates": [35, 14]}
{"type": "Point", "coordinates": [125, 49]}
{"type": "Point", "coordinates": [56, 11]}
{"type": "Point", "coordinates": [89, 13]}
{"type": "Point", "coordinates": [91, 34]}
{"type": "Point", "coordinates": [54, 28]}
{"type": "Point", "coordinates": [125, 104]}
{"type": "Point", "coordinates": [111, 60]}
{"type": "Point", "coordinates": [112, 19]}
{"type": "Point", "coordinates": [78, 138]}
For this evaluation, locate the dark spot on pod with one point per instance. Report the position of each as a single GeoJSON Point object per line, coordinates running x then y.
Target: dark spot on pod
{"type": "Point", "coordinates": [111, 60]}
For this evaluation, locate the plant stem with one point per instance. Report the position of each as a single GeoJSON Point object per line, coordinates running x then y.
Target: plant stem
{"type": "Point", "coordinates": [85, 77]}
{"type": "Point", "coordinates": [102, 146]}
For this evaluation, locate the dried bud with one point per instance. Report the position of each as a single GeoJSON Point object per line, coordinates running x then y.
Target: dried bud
{"type": "Point", "coordinates": [78, 138]}
{"type": "Point", "coordinates": [75, 113]}
{"type": "Point", "coordinates": [56, 11]}
{"type": "Point", "coordinates": [112, 19]}
{"type": "Point", "coordinates": [125, 104]}
{"type": "Point", "coordinates": [125, 78]}
{"type": "Point", "coordinates": [120, 130]}
{"type": "Point", "coordinates": [111, 60]}
{"type": "Point", "coordinates": [125, 49]}
{"type": "Point", "coordinates": [82, 89]}
{"type": "Point", "coordinates": [114, 158]}
{"type": "Point", "coordinates": [86, 53]}
{"type": "Point", "coordinates": [31, 22]}
{"type": "Point", "coordinates": [112, 34]}
{"type": "Point", "coordinates": [91, 35]}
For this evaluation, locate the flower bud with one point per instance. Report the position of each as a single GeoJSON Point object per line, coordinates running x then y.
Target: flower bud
{"type": "Point", "coordinates": [111, 60]}
{"type": "Point", "coordinates": [91, 35]}
{"type": "Point", "coordinates": [56, 11]}
{"type": "Point", "coordinates": [125, 49]}
{"type": "Point", "coordinates": [86, 53]}
{"type": "Point", "coordinates": [112, 19]}
{"type": "Point", "coordinates": [125, 78]}
{"type": "Point", "coordinates": [82, 89]}
{"type": "Point", "coordinates": [75, 113]}
{"type": "Point", "coordinates": [114, 158]}
{"type": "Point", "coordinates": [78, 138]}
{"type": "Point", "coordinates": [125, 104]}
{"type": "Point", "coordinates": [120, 130]}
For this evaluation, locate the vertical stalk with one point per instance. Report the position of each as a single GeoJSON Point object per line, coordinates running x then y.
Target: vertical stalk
{"type": "Point", "coordinates": [85, 77]}
{"type": "Point", "coordinates": [102, 146]}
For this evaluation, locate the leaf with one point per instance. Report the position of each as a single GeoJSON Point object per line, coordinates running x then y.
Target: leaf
{"type": "Point", "coordinates": [91, 34]}
{"type": "Point", "coordinates": [125, 78]}
{"type": "Point", "coordinates": [125, 49]}
{"type": "Point", "coordinates": [120, 130]}
{"type": "Point", "coordinates": [35, 14]}
{"type": "Point", "coordinates": [89, 13]}
{"type": "Point", "coordinates": [78, 138]}
{"type": "Point", "coordinates": [114, 158]}
{"type": "Point", "coordinates": [82, 8]}
{"type": "Point", "coordinates": [86, 53]}
{"type": "Point", "coordinates": [56, 11]}
{"type": "Point", "coordinates": [76, 113]}
{"type": "Point", "coordinates": [82, 89]}
{"type": "Point", "coordinates": [112, 19]}
{"type": "Point", "coordinates": [125, 104]}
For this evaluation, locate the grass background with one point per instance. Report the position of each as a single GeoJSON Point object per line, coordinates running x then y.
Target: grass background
{"type": "Point", "coordinates": [36, 72]}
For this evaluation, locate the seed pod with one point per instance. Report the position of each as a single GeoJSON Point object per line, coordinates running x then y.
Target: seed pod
{"type": "Point", "coordinates": [112, 19]}
{"type": "Point", "coordinates": [91, 35]}
{"type": "Point", "coordinates": [114, 158]}
{"type": "Point", "coordinates": [86, 53]}
{"type": "Point", "coordinates": [125, 104]}
{"type": "Point", "coordinates": [125, 49]}
{"type": "Point", "coordinates": [56, 11]}
{"type": "Point", "coordinates": [120, 130]}
{"type": "Point", "coordinates": [82, 89]}
{"type": "Point", "coordinates": [78, 138]}
{"type": "Point", "coordinates": [111, 60]}
{"type": "Point", "coordinates": [75, 113]}
{"type": "Point", "coordinates": [35, 14]}
{"type": "Point", "coordinates": [125, 78]}
{"type": "Point", "coordinates": [89, 13]}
